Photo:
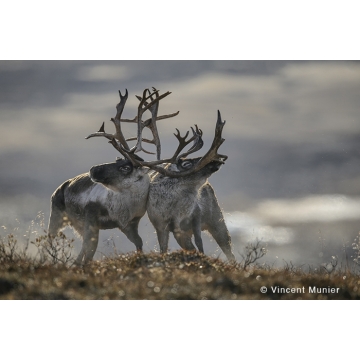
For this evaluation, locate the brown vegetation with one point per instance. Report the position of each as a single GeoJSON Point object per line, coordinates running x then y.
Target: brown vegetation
{"type": "Point", "coordinates": [176, 275]}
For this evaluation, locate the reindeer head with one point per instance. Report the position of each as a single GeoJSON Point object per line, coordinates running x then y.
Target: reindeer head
{"type": "Point", "coordinates": [183, 165]}
{"type": "Point", "coordinates": [200, 166]}
{"type": "Point", "coordinates": [119, 175]}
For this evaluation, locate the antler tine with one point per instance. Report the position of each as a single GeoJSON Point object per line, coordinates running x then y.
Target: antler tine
{"type": "Point", "coordinates": [118, 140]}
{"type": "Point", "coordinates": [182, 144]}
{"type": "Point", "coordinates": [120, 106]}
{"type": "Point", "coordinates": [122, 146]}
{"type": "Point", "coordinates": [212, 152]}
{"type": "Point", "coordinates": [153, 101]}
{"type": "Point", "coordinates": [153, 107]}
{"type": "Point", "coordinates": [149, 101]}
{"type": "Point", "coordinates": [101, 133]}
{"type": "Point", "coordinates": [211, 155]}
{"type": "Point", "coordinates": [117, 120]}
{"type": "Point", "coordinates": [138, 147]}
{"type": "Point", "coordinates": [152, 123]}
{"type": "Point", "coordinates": [197, 145]}
{"type": "Point", "coordinates": [112, 140]}
{"type": "Point", "coordinates": [196, 138]}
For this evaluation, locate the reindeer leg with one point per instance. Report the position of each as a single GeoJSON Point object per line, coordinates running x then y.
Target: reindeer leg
{"type": "Point", "coordinates": [58, 217]}
{"type": "Point", "coordinates": [163, 238]}
{"type": "Point", "coordinates": [221, 235]}
{"type": "Point", "coordinates": [80, 257]}
{"type": "Point", "coordinates": [198, 239]}
{"type": "Point", "coordinates": [90, 243]}
{"type": "Point", "coordinates": [213, 221]}
{"type": "Point", "coordinates": [56, 221]}
{"type": "Point", "coordinates": [131, 231]}
{"type": "Point", "coordinates": [196, 227]}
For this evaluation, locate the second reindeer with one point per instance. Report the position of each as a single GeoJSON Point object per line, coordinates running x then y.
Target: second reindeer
{"type": "Point", "coordinates": [182, 201]}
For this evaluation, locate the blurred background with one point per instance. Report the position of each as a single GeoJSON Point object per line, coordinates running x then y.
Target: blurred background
{"type": "Point", "coordinates": [292, 179]}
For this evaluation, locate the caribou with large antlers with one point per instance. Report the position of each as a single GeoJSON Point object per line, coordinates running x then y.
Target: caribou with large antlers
{"type": "Point", "coordinates": [180, 198]}
{"type": "Point", "coordinates": [114, 194]}
{"type": "Point", "coordinates": [182, 201]}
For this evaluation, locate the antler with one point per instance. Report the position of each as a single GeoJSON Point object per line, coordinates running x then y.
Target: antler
{"type": "Point", "coordinates": [118, 140]}
{"type": "Point", "coordinates": [211, 155]}
{"type": "Point", "coordinates": [198, 142]}
{"type": "Point", "coordinates": [153, 107]}
{"type": "Point", "coordinates": [150, 101]}
{"type": "Point", "coordinates": [118, 134]}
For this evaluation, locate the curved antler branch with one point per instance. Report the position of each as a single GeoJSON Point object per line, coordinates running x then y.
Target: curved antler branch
{"type": "Point", "coordinates": [198, 142]}
{"type": "Point", "coordinates": [149, 101]}
{"type": "Point", "coordinates": [211, 155]}
{"type": "Point", "coordinates": [153, 107]}
{"type": "Point", "coordinates": [117, 122]}
{"type": "Point", "coordinates": [101, 133]}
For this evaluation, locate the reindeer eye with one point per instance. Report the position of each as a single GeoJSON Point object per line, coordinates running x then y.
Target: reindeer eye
{"type": "Point", "coordinates": [186, 164]}
{"type": "Point", "coordinates": [125, 168]}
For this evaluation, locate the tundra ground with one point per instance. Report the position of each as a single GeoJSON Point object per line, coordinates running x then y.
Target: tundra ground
{"type": "Point", "coordinates": [178, 275]}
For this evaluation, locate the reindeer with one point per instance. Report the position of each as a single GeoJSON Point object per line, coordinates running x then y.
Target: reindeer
{"type": "Point", "coordinates": [113, 194]}
{"type": "Point", "coordinates": [181, 200]}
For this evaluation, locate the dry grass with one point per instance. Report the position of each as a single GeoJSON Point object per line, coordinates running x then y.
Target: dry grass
{"type": "Point", "coordinates": [176, 275]}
